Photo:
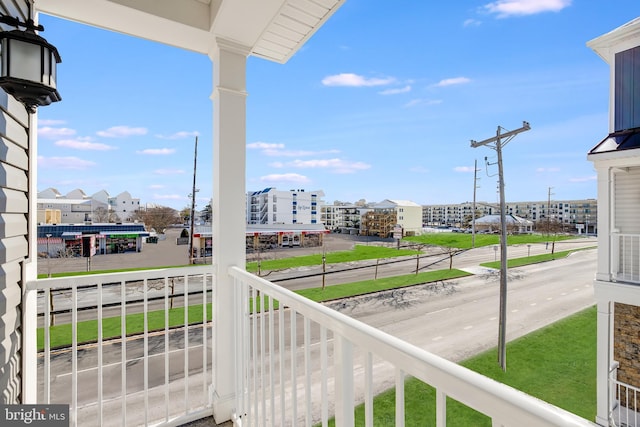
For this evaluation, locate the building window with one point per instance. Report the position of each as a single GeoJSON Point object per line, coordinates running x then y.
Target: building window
{"type": "Point", "coordinates": [627, 89]}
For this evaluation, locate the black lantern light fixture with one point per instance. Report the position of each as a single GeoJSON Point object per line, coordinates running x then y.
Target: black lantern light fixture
{"type": "Point", "coordinates": [28, 64]}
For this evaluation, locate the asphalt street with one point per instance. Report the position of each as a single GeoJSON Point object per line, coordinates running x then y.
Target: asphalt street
{"type": "Point", "coordinates": [455, 320]}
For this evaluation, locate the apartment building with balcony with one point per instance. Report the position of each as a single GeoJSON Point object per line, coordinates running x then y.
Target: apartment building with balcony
{"type": "Point", "coordinates": [578, 216]}
{"type": "Point", "coordinates": [272, 206]}
{"type": "Point", "coordinates": [384, 216]}
{"type": "Point", "coordinates": [616, 159]}
{"type": "Point", "coordinates": [343, 217]}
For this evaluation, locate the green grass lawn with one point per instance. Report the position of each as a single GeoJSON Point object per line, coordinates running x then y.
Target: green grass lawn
{"type": "Point", "coordinates": [463, 240]}
{"type": "Point", "coordinates": [60, 335]}
{"type": "Point", "coordinates": [556, 364]}
{"type": "Point", "coordinates": [518, 262]}
{"type": "Point", "coordinates": [358, 253]}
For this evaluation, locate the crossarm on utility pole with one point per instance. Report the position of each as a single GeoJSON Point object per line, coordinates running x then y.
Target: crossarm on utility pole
{"type": "Point", "coordinates": [501, 136]}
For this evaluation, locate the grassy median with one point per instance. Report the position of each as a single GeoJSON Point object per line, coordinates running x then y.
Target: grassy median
{"type": "Point", "coordinates": [556, 364]}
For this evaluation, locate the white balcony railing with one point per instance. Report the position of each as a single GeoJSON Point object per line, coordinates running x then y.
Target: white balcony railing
{"type": "Point", "coordinates": [296, 358]}
{"type": "Point", "coordinates": [625, 257]}
{"type": "Point", "coordinates": [296, 362]}
{"type": "Point", "coordinates": [158, 374]}
{"type": "Point", "coordinates": [625, 410]}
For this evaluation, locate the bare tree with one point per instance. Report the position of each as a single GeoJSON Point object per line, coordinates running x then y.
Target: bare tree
{"type": "Point", "coordinates": [550, 227]}
{"type": "Point", "coordinates": [103, 215]}
{"type": "Point", "coordinates": [159, 218]}
{"type": "Point", "coordinates": [185, 214]}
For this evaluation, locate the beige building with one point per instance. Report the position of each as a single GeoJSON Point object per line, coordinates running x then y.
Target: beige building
{"type": "Point", "coordinates": [384, 216]}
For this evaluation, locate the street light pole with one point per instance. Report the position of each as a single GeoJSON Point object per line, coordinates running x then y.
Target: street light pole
{"type": "Point", "coordinates": [498, 141]}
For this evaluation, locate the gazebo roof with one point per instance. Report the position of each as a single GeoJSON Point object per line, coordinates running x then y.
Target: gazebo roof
{"type": "Point", "coordinates": [511, 220]}
{"type": "Point", "coordinates": [270, 29]}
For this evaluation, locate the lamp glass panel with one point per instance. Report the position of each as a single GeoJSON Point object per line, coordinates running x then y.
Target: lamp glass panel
{"type": "Point", "coordinates": [46, 66]}
{"type": "Point", "coordinates": [54, 66]}
{"type": "Point", "coordinates": [24, 60]}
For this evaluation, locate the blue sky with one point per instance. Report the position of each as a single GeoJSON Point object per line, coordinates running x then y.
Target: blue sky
{"type": "Point", "coordinates": [381, 103]}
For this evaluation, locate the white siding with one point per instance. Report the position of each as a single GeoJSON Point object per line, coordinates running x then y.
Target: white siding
{"type": "Point", "coordinates": [627, 201]}
{"type": "Point", "coordinates": [14, 170]}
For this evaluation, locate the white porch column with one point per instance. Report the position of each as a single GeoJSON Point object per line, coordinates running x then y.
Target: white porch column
{"type": "Point", "coordinates": [604, 359]}
{"type": "Point", "coordinates": [229, 217]}
{"type": "Point", "coordinates": [605, 222]}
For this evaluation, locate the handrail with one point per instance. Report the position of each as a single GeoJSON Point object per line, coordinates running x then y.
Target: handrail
{"type": "Point", "coordinates": [129, 276]}
{"type": "Point", "coordinates": [497, 400]}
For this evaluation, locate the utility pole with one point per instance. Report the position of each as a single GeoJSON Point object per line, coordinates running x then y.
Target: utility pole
{"type": "Point", "coordinates": [193, 202]}
{"type": "Point", "coordinates": [549, 211]}
{"type": "Point", "coordinates": [499, 141]}
{"type": "Point", "coordinates": [473, 213]}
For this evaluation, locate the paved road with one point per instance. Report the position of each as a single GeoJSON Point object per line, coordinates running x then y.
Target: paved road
{"type": "Point", "coordinates": [454, 320]}
{"type": "Point", "coordinates": [433, 259]}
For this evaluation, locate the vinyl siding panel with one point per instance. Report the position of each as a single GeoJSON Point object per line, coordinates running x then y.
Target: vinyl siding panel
{"type": "Point", "coordinates": [14, 211]}
{"type": "Point", "coordinates": [627, 202]}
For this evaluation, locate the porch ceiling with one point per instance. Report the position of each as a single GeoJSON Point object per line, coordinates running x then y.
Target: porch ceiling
{"type": "Point", "coordinates": [271, 29]}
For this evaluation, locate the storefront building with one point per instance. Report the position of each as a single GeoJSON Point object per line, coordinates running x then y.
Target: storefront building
{"type": "Point", "coordinates": [97, 239]}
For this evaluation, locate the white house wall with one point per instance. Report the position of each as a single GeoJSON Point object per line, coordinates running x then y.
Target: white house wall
{"type": "Point", "coordinates": [627, 200]}
{"type": "Point", "coordinates": [14, 209]}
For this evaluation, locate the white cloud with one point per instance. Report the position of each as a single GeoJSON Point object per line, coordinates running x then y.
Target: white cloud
{"type": "Point", "coordinates": [50, 122]}
{"type": "Point", "coordinates": [180, 135]}
{"type": "Point", "coordinates": [121, 132]}
{"type": "Point", "coordinates": [265, 146]}
{"type": "Point", "coordinates": [471, 23]}
{"type": "Point", "coordinates": [396, 91]}
{"type": "Point", "coordinates": [285, 177]}
{"type": "Point", "coordinates": [452, 81]}
{"type": "Point", "coordinates": [276, 165]}
{"type": "Point", "coordinates": [64, 163]}
{"type": "Point", "coordinates": [84, 144]}
{"type": "Point", "coordinates": [52, 132]}
{"type": "Point", "coordinates": [277, 150]}
{"type": "Point", "coordinates": [507, 8]}
{"type": "Point", "coordinates": [547, 170]}
{"type": "Point", "coordinates": [156, 186]}
{"type": "Point", "coordinates": [463, 169]}
{"type": "Point", "coordinates": [168, 196]}
{"type": "Point", "coordinates": [157, 151]}
{"type": "Point", "coordinates": [355, 80]}
{"type": "Point", "coordinates": [417, 102]}
{"type": "Point", "coordinates": [335, 165]}
{"type": "Point", "coordinates": [168, 171]}
{"type": "Point", "coordinates": [584, 179]}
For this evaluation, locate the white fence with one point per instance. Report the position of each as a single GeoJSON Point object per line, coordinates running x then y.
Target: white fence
{"type": "Point", "coordinates": [296, 358]}
{"type": "Point", "coordinates": [123, 348]}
